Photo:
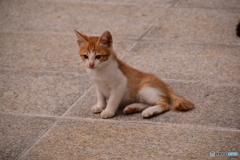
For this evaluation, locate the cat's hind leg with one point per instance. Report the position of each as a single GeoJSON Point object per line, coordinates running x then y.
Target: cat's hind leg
{"type": "Point", "coordinates": [157, 100]}
{"type": "Point", "coordinates": [134, 108]}
{"type": "Point", "coordinates": [156, 109]}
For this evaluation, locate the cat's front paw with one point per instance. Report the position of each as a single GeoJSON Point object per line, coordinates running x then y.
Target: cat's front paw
{"type": "Point", "coordinates": [107, 114]}
{"type": "Point", "coordinates": [147, 113]}
{"type": "Point", "coordinates": [97, 109]}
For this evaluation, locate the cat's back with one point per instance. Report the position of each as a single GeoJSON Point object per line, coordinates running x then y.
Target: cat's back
{"type": "Point", "coordinates": [133, 75]}
{"type": "Point", "coordinates": [138, 79]}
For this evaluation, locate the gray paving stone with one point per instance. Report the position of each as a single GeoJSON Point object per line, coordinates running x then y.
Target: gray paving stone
{"type": "Point", "coordinates": [17, 133]}
{"type": "Point", "coordinates": [88, 18]}
{"type": "Point", "coordinates": [208, 4]}
{"type": "Point", "coordinates": [40, 93]}
{"type": "Point", "coordinates": [162, 3]}
{"type": "Point", "coordinates": [71, 139]}
{"type": "Point", "coordinates": [216, 106]}
{"type": "Point", "coordinates": [191, 25]}
{"type": "Point", "coordinates": [194, 62]}
{"type": "Point", "coordinates": [46, 52]}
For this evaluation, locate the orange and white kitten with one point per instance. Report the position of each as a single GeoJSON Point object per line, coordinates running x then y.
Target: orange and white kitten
{"type": "Point", "coordinates": [118, 84]}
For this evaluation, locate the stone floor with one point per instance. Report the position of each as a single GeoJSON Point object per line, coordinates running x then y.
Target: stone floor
{"type": "Point", "coordinates": [45, 94]}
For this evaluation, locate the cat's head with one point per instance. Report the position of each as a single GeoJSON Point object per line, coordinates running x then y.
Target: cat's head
{"type": "Point", "coordinates": [95, 51]}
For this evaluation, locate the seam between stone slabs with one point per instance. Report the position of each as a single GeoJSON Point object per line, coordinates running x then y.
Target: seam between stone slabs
{"type": "Point", "coordinates": [174, 3]}
{"type": "Point", "coordinates": [36, 141]}
{"type": "Point", "coordinates": [103, 3]}
{"type": "Point", "coordinates": [153, 123]}
{"type": "Point", "coordinates": [30, 115]}
{"type": "Point", "coordinates": [120, 37]}
{"type": "Point", "coordinates": [222, 84]}
{"type": "Point", "coordinates": [142, 38]}
{"type": "Point", "coordinates": [119, 121]}
{"type": "Point", "coordinates": [154, 23]}
{"type": "Point", "coordinates": [146, 39]}
{"type": "Point", "coordinates": [157, 20]}
{"type": "Point", "coordinates": [37, 32]}
{"type": "Point", "coordinates": [128, 50]}
{"type": "Point", "coordinates": [132, 38]}
{"type": "Point", "coordinates": [64, 114]}
{"type": "Point", "coordinates": [207, 8]}
{"type": "Point", "coordinates": [162, 41]}
{"type": "Point", "coordinates": [10, 69]}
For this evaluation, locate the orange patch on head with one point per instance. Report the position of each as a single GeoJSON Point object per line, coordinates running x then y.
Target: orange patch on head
{"type": "Point", "coordinates": [95, 49]}
{"type": "Point", "coordinates": [101, 53]}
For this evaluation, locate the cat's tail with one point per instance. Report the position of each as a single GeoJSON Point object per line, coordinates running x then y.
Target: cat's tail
{"type": "Point", "coordinates": [180, 104]}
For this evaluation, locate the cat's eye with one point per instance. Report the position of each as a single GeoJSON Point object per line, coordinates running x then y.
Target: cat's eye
{"type": "Point", "coordinates": [98, 57]}
{"type": "Point", "coordinates": [85, 56]}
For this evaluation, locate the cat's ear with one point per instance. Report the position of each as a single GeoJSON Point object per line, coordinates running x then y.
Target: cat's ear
{"type": "Point", "coordinates": [106, 39]}
{"type": "Point", "coordinates": [81, 39]}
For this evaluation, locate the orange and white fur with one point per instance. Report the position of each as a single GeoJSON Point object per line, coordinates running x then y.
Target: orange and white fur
{"type": "Point", "coordinates": [118, 84]}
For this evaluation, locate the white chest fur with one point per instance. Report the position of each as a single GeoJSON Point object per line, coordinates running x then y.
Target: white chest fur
{"type": "Point", "coordinates": [108, 78]}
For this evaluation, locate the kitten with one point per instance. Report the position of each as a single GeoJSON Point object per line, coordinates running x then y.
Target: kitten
{"type": "Point", "coordinates": [118, 84]}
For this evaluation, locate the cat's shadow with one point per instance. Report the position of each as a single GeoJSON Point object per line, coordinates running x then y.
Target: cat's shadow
{"type": "Point", "coordinates": [120, 113]}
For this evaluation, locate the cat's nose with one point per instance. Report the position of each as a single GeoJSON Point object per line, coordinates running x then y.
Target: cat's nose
{"type": "Point", "coordinates": [91, 65]}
